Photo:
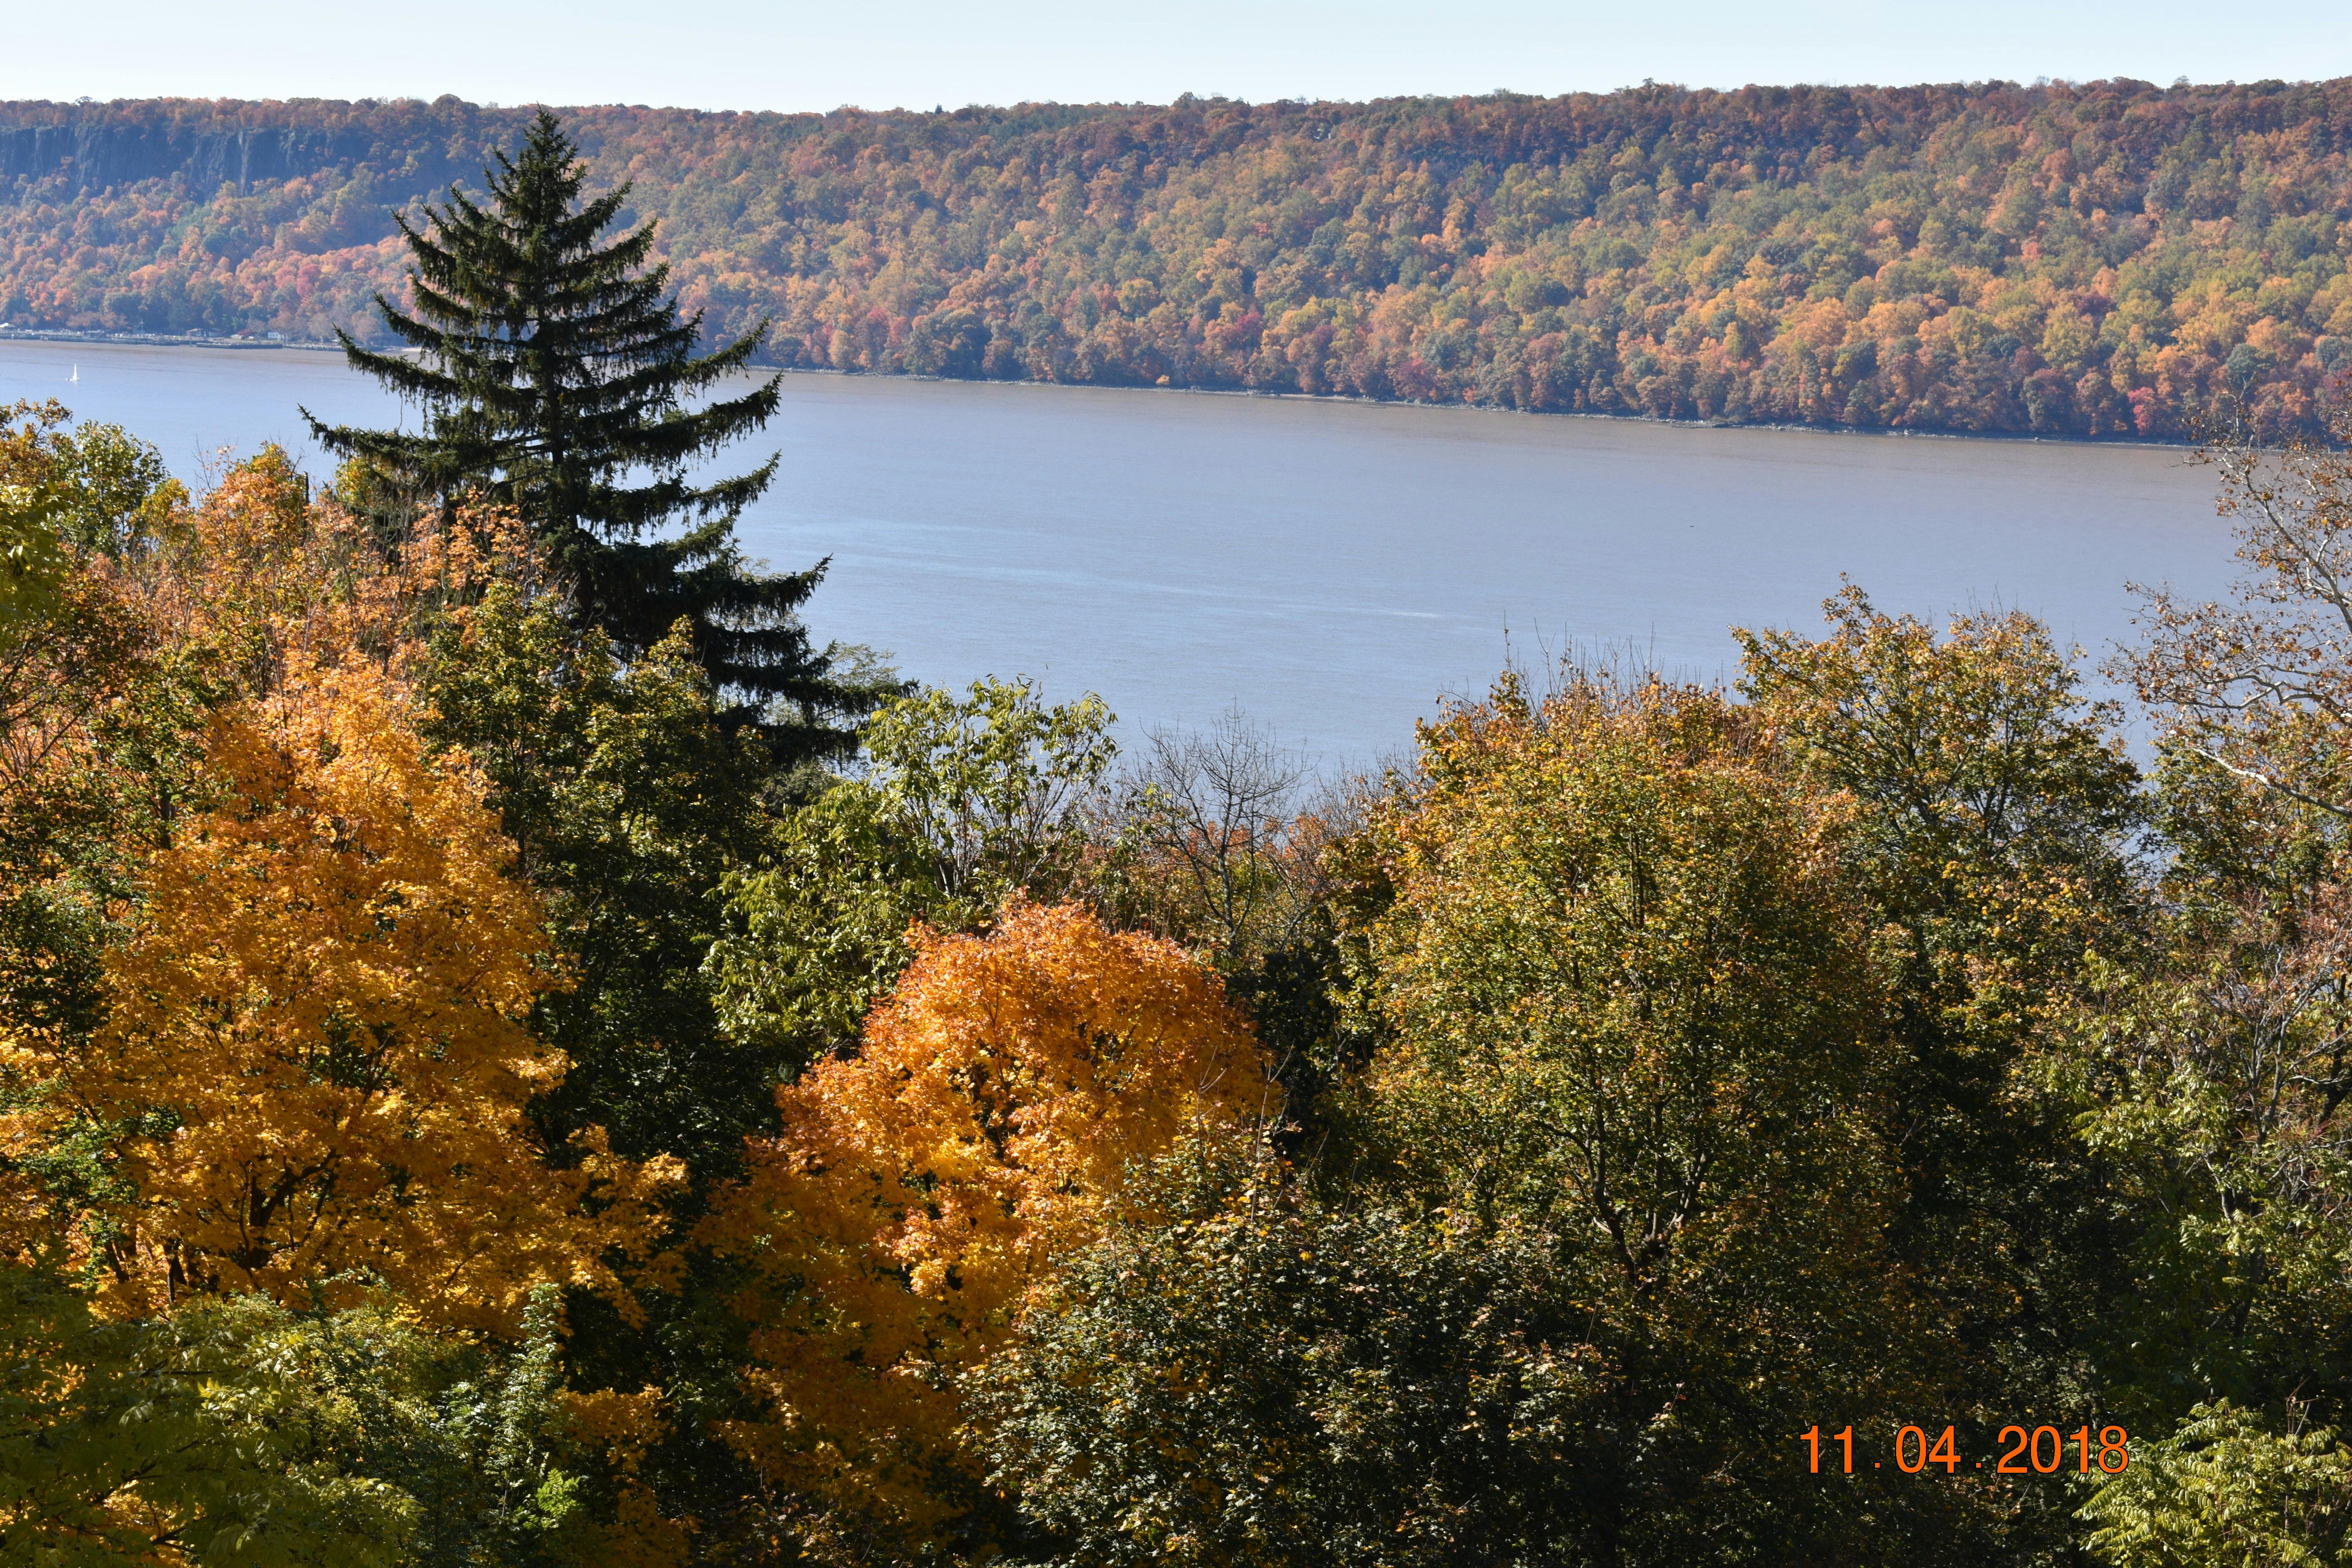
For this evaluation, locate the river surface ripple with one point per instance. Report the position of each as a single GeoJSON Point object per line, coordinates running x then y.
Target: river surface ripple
{"type": "Point", "coordinates": [1331, 569]}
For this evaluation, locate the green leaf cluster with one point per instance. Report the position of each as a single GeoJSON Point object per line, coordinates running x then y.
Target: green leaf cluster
{"type": "Point", "coordinates": [239, 1432]}
{"type": "Point", "coordinates": [2224, 1490]}
{"type": "Point", "coordinates": [962, 801]}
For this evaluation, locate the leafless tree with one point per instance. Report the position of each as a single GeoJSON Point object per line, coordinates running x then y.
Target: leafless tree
{"type": "Point", "coordinates": [1226, 827]}
{"type": "Point", "coordinates": [2261, 687]}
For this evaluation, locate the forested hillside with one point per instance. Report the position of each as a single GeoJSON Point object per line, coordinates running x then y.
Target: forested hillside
{"type": "Point", "coordinates": [2100, 260]}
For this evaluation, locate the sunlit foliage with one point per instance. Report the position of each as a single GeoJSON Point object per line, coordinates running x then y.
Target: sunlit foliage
{"type": "Point", "coordinates": [2224, 1490]}
{"type": "Point", "coordinates": [964, 800]}
{"type": "Point", "coordinates": [460, 1103]}
{"type": "Point", "coordinates": [922, 1187]}
{"type": "Point", "coordinates": [2099, 259]}
{"type": "Point", "coordinates": [209, 1437]}
{"type": "Point", "coordinates": [321, 1015]}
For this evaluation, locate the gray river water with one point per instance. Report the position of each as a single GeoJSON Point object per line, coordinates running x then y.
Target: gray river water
{"type": "Point", "coordinates": [1331, 569]}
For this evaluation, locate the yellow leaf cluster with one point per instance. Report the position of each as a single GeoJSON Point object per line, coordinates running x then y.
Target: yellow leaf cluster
{"type": "Point", "coordinates": [625, 1425]}
{"type": "Point", "coordinates": [923, 1188]}
{"type": "Point", "coordinates": [26, 1130]}
{"type": "Point", "coordinates": [321, 1022]}
{"type": "Point", "coordinates": [277, 586]}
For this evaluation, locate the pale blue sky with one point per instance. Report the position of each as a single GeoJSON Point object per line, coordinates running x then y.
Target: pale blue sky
{"type": "Point", "coordinates": [744, 54]}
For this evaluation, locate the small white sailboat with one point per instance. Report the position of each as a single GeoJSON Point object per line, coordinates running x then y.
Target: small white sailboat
{"type": "Point", "coordinates": [76, 375]}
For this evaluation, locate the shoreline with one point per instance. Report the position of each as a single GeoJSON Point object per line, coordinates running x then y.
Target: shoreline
{"type": "Point", "coordinates": [159, 340]}
{"type": "Point", "coordinates": [316, 346]}
{"type": "Point", "coordinates": [1876, 431]}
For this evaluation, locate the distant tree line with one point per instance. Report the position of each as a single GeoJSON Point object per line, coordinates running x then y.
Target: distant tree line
{"type": "Point", "coordinates": [2101, 259]}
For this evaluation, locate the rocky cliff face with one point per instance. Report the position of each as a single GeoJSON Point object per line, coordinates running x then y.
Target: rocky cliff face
{"type": "Point", "coordinates": [69, 150]}
{"type": "Point", "coordinates": [96, 156]}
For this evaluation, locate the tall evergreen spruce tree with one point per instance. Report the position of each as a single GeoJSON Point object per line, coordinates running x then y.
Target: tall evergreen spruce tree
{"type": "Point", "coordinates": [554, 376]}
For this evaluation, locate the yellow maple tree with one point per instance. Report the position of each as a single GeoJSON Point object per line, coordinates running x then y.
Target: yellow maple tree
{"type": "Point", "coordinates": [318, 1027]}
{"type": "Point", "coordinates": [920, 1189]}
{"type": "Point", "coordinates": [177, 645]}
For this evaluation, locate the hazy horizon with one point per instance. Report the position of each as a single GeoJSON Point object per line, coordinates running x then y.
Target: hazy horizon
{"type": "Point", "coordinates": [1009, 105]}
{"type": "Point", "coordinates": [922, 54]}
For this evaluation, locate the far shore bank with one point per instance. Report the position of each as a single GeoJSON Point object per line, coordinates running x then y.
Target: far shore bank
{"type": "Point", "coordinates": [160, 340]}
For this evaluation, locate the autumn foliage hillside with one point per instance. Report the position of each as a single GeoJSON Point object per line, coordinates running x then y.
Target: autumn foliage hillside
{"type": "Point", "coordinates": [2099, 259]}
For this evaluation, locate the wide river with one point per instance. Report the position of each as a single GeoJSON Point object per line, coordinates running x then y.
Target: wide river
{"type": "Point", "coordinates": [1331, 569]}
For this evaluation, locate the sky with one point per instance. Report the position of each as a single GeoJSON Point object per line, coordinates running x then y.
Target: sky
{"type": "Point", "coordinates": [919, 53]}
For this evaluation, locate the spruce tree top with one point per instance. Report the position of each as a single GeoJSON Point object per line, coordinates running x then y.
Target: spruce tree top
{"type": "Point", "coordinates": [553, 376]}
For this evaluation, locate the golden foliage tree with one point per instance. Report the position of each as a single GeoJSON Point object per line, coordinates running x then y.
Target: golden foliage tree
{"type": "Point", "coordinates": [301, 1034]}
{"type": "Point", "coordinates": [185, 627]}
{"type": "Point", "coordinates": [321, 1022]}
{"type": "Point", "coordinates": [922, 1188]}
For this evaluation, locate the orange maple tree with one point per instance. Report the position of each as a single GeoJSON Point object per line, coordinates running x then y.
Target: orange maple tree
{"type": "Point", "coordinates": [920, 1189]}
{"type": "Point", "coordinates": [265, 583]}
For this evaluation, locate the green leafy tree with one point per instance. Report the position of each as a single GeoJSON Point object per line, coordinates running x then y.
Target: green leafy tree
{"type": "Point", "coordinates": [1994, 818]}
{"type": "Point", "coordinates": [629, 805]}
{"type": "Point", "coordinates": [240, 1432]}
{"type": "Point", "coordinates": [197, 1435]}
{"type": "Point", "coordinates": [819, 932]}
{"type": "Point", "coordinates": [30, 560]}
{"type": "Point", "coordinates": [114, 492]}
{"type": "Point", "coordinates": [965, 800]}
{"type": "Point", "coordinates": [1623, 1000]}
{"type": "Point", "coordinates": [2209, 1089]}
{"type": "Point", "coordinates": [32, 511]}
{"type": "Point", "coordinates": [555, 375]}
{"type": "Point", "coordinates": [2211, 1082]}
{"type": "Point", "coordinates": [2227, 1491]}
{"type": "Point", "coordinates": [1263, 1378]}
{"type": "Point", "coordinates": [990, 783]}
{"type": "Point", "coordinates": [1995, 805]}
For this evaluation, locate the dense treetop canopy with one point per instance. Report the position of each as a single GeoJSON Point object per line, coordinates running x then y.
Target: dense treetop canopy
{"type": "Point", "coordinates": [462, 1100]}
{"type": "Point", "coordinates": [2100, 258]}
